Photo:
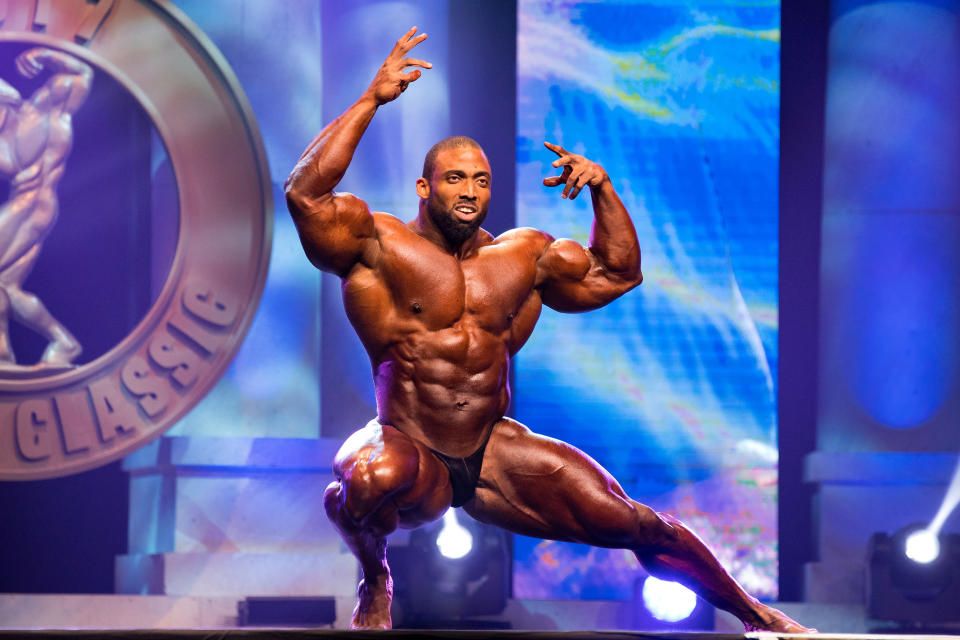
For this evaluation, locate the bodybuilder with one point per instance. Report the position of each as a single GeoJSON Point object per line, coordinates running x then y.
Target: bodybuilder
{"type": "Point", "coordinates": [36, 135]}
{"type": "Point", "coordinates": [441, 306]}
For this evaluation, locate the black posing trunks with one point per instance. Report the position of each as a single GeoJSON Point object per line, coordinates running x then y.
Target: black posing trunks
{"type": "Point", "coordinates": [464, 473]}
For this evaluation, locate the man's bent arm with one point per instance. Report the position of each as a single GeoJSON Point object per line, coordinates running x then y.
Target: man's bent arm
{"type": "Point", "coordinates": [572, 277]}
{"type": "Point", "coordinates": [70, 83]}
{"type": "Point", "coordinates": [334, 229]}
{"type": "Point", "coordinates": [337, 230]}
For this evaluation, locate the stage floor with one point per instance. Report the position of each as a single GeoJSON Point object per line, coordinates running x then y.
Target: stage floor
{"type": "Point", "coordinates": [411, 634]}
{"type": "Point", "coordinates": [144, 617]}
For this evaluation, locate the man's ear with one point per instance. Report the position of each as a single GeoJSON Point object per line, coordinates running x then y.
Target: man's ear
{"type": "Point", "coordinates": [423, 188]}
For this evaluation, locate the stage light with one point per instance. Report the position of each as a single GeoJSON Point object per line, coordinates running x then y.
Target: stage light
{"type": "Point", "coordinates": [913, 576]}
{"type": "Point", "coordinates": [668, 601]}
{"type": "Point", "coordinates": [434, 589]}
{"type": "Point", "coordinates": [454, 541]}
{"type": "Point", "coordinates": [659, 605]}
{"type": "Point", "coordinates": [922, 546]}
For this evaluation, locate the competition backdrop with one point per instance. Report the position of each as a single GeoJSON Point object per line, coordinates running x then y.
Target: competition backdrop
{"type": "Point", "coordinates": [672, 388]}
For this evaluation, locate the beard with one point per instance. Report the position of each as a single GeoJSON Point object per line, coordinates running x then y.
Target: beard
{"type": "Point", "coordinates": [454, 231]}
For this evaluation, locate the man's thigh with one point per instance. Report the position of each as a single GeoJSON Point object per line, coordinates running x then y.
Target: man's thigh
{"type": "Point", "coordinates": [381, 467]}
{"type": "Point", "coordinates": [16, 263]}
{"type": "Point", "coordinates": [542, 487]}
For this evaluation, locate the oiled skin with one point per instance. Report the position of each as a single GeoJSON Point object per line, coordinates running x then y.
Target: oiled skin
{"type": "Point", "coordinates": [441, 372]}
{"type": "Point", "coordinates": [440, 321]}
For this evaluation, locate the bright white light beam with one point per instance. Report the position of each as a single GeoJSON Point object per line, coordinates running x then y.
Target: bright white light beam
{"type": "Point", "coordinates": [923, 546]}
{"type": "Point", "coordinates": [454, 541]}
{"type": "Point", "coordinates": [950, 502]}
{"type": "Point", "coordinates": [668, 601]}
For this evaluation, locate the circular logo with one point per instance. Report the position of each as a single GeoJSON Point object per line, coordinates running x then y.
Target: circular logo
{"type": "Point", "coordinates": [136, 184]}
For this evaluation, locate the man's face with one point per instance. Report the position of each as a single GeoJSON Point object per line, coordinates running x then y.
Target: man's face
{"type": "Point", "coordinates": [459, 192]}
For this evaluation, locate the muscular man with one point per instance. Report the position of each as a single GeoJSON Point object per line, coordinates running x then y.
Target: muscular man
{"type": "Point", "coordinates": [441, 306]}
{"type": "Point", "coordinates": [35, 139]}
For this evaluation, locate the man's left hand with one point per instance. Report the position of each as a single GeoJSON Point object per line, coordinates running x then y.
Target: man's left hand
{"type": "Point", "coordinates": [31, 62]}
{"type": "Point", "coordinates": [577, 172]}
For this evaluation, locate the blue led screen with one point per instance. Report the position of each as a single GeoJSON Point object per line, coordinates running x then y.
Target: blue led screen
{"type": "Point", "coordinates": [672, 388]}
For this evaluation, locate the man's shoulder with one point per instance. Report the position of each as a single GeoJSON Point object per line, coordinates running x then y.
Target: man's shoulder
{"type": "Point", "coordinates": [525, 238]}
{"type": "Point", "coordinates": [394, 233]}
{"type": "Point", "coordinates": [388, 224]}
{"type": "Point", "coordinates": [382, 217]}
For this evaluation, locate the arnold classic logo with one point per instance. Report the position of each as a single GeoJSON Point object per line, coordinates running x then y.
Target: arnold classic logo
{"type": "Point", "coordinates": [61, 62]}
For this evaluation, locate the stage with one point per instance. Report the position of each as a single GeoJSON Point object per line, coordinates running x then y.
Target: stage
{"type": "Point", "coordinates": [177, 377]}
{"type": "Point", "coordinates": [305, 634]}
{"type": "Point", "coordinates": [161, 617]}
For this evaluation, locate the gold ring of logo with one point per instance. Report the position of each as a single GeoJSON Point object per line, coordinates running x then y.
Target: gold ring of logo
{"type": "Point", "coordinates": [90, 415]}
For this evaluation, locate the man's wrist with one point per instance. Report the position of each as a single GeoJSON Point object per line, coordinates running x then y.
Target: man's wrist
{"type": "Point", "coordinates": [369, 100]}
{"type": "Point", "coordinates": [604, 181]}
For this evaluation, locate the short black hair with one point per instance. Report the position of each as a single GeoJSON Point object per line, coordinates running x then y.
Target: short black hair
{"type": "Point", "coordinates": [429, 163]}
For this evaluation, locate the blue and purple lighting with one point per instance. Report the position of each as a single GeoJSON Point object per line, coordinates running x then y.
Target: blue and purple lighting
{"type": "Point", "coordinates": [672, 388]}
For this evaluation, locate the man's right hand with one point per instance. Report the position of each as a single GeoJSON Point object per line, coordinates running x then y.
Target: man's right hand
{"type": "Point", "coordinates": [390, 80]}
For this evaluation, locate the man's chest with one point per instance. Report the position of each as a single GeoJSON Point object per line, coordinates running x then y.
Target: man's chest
{"type": "Point", "coordinates": [439, 290]}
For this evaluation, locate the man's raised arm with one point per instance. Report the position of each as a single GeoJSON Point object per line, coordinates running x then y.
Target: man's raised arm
{"type": "Point", "coordinates": [69, 85]}
{"type": "Point", "coordinates": [572, 277]}
{"type": "Point", "coordinates": [337, 230]}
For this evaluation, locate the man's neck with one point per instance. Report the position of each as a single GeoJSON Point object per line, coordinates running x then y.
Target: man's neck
{"type": "Point", "coordinates": [424, 226]}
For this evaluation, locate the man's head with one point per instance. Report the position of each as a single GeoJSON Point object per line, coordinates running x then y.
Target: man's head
{"type": "Point", "coordinates": [455, 187]}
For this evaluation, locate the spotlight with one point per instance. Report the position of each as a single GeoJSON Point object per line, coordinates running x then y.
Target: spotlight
{"type": "Point", "coordinates": [913, 576]}
{"type": "Point", "coordinates": [449, 572]}
{"type": "Point", "coordinates": [922, 546]}
{"type": "Point", "coordinates": [668, 601]}
{"type": "Point", "coordinates": [453, 540]}
{"type": "Point", "coordinates": [659, 605]}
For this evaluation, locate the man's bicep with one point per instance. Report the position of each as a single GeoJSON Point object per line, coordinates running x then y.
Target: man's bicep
{"type": "Point", "coordinates": [63, 91]}
{"type": "Point", "coordinates": [572, 279]}
{"type": "Point", "coordinates": [336, 230]}
{"type": "Point", "coordinates": [562, 270]}
{"type": "Point", "coordinates": [564, 260]}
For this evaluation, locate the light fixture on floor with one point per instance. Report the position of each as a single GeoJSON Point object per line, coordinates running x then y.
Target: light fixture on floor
{"type": "Point", "coordinates": [454, 540]}
{"type": "Point", "coordinates": [913, 576]}
{"type": "Point", "coordinates": [450, 571]}
{"type": "Point", "coordinates": [668, 601]}
{"type": "Point", "coordinates": [662, 605]}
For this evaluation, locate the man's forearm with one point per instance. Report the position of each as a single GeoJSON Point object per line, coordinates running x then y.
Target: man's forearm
{"type": "Point", "coordinates": [62, 63]}
{"type": "Point", "coordinates": [613, 239]}
{"type": "Point", "coordinates": [71, 78]}
{"type": "Point", "coordinates": [322, 165]}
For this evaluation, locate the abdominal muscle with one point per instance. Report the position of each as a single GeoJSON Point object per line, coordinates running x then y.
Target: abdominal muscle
{"type": "Point", "coordinates": [444, 388]}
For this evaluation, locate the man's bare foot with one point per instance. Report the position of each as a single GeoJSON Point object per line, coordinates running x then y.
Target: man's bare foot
{"type": "Point", "coordinates": [373, 604]}
{"type": "Point", "coordinates": [770, 619]}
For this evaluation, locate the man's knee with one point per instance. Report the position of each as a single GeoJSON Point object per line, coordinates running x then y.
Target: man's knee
{"type": "Point", "coordinates": [369, 478]}
{"type": "Point", "coordinates": [384, 473]}
{"type": "Point", "coordinates": [27, 306]}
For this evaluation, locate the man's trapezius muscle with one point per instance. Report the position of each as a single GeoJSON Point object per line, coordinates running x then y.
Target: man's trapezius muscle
{"type": "Point", "coordinates": [440, 306]}
{"type": "Point", "coordinates": [36, 135]}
